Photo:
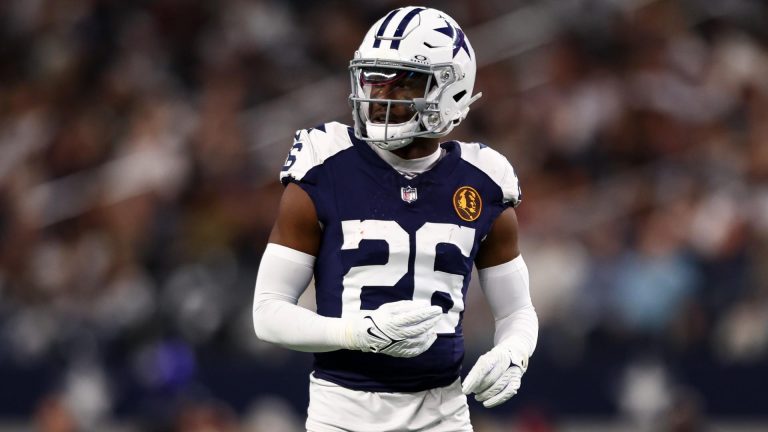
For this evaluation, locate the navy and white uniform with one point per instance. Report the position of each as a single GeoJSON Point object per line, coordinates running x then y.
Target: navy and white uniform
{"type": "Point", "coordinates": [386, 237]}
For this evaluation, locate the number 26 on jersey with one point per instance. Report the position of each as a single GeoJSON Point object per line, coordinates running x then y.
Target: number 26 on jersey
{"type": "Point", "coordinates": [427, 281]}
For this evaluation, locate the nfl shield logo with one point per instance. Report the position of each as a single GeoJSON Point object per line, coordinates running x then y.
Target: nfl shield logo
{"type": "Point", "coordinates": [408, 194]}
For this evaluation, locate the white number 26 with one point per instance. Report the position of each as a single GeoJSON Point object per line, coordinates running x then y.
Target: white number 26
{"type": "Point", "coordinates": [427, 280]}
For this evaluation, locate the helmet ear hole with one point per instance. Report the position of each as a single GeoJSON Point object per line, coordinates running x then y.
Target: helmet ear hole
{"type": "Point", "coordinates": [457, 97]}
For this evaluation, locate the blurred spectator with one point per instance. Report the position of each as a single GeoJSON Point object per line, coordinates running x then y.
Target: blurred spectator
{"type": "Point", "coordinates": [205, 417]}
{"type": "Point", "coordinates": [53, 415]}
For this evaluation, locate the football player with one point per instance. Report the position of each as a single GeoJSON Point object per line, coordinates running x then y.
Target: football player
{"type": "Point", "coordinates": [390, 221]}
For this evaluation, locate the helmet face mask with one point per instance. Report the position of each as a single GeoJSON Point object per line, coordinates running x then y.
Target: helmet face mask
{"type": "Point", "coordinates": [395, 89]}
{"type": "Point", "coordinates": [418, 84]}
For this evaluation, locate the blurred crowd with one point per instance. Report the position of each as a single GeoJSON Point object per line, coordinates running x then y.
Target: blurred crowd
{"type": "Point", "coordinates": [135, 204]}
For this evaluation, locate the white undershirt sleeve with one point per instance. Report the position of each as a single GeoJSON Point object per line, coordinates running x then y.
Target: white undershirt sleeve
{"type": "Point", "coordinates": [506, 288]}
{"type": "Point", "coordinates": [283, 276]}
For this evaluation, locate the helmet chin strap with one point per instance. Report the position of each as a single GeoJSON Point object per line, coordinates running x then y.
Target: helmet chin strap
{"type": "Point", "coordinates": [382, 131]}
{"type": "Point", "coordinates": [393, 144]}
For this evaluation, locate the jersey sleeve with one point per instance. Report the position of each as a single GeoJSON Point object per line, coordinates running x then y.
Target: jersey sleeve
{"type": "Point", "coordinates": [498, 168]}
{"type": "Point", "coordinates": [301, 158]}
{"type": "Point", "coordinates": [510, 185]}
{"type": "Point", "coordinates": [311, 148]}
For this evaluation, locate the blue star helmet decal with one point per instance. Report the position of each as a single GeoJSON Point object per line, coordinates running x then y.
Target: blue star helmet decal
{"type": "Point", "coordinates": [459, 41]}
{"type": "Point", "coordinates": [447, 30]}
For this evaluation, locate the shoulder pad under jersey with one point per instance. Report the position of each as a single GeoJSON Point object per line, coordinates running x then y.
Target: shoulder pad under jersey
{"type": "Point", "coordinates": [311, 147]}
{"type": "Point", "coordinates": [495, 166]}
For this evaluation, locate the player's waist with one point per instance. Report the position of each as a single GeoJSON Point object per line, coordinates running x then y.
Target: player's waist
{"type": "Point", "coordinates": [437, 367]}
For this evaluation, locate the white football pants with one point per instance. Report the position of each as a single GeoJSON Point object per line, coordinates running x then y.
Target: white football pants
{"type": "Point", "coordinates": [333, 408]}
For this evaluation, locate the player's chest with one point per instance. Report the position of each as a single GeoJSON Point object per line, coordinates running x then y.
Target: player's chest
{"type": "Point", "coordinates": [416, 223]}
{"type": "Point", "coordinates": [410, 202]}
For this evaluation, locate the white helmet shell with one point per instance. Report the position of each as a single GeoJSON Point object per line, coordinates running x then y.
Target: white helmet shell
{"type": "Point", "coordinates": [422, 40]}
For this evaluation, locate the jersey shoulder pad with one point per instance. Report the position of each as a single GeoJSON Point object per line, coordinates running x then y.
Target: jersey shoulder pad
{"type": "Point", "coordinates": [495, 166]}
{"type": "Point", "coordinates": [312, 147]}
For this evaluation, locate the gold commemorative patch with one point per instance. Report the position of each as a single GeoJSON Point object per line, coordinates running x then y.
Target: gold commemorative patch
{"type": "Point", "coordinates": [467, 203]}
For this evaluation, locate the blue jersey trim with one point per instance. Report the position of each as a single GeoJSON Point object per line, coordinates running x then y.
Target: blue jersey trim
{"type": "Point", "coordinates": [402, 26]}
{"type": "Point", "coordinates": [383, 28]}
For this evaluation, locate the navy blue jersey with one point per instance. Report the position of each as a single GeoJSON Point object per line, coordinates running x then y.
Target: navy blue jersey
{"type": "Point", "coordinates": [386, 238]}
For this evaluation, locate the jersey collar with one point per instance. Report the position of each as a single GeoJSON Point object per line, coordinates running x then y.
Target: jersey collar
{"type": "Point", "coordinates": [443, 166]}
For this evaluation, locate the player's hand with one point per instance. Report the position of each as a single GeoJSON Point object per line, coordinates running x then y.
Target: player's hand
{"type": "Point", "coordinates": [493, 379]}
{"type": "Point", "coordinates": [400, 329]}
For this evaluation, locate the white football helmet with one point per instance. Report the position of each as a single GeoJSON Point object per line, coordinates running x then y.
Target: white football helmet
{"type": "Point", "coordinates": [406, 43]}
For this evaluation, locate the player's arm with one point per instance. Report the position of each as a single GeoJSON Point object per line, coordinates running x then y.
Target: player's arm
{"type": "Point", "coordinates": [401, 329]}
{"type": "Point", "coordinates": [500, 245]}
{"type": "Point", "coordinates": [296, 226]}
{"type": "Point", "coordinates": [504, 279]}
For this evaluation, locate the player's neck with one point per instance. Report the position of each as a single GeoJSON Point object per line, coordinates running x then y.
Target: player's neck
{"type": "Point", "coordinates": [420, 147]}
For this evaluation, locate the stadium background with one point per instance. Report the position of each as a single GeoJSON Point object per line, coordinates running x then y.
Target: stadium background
{"type": "Point", "coordinates": [140, 143]}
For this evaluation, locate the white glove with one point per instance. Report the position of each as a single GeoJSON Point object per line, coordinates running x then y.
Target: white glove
{"type": "Point", "coordinates": [400, 329]}
{"type": "Point", "coordinates": [494, 378]}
